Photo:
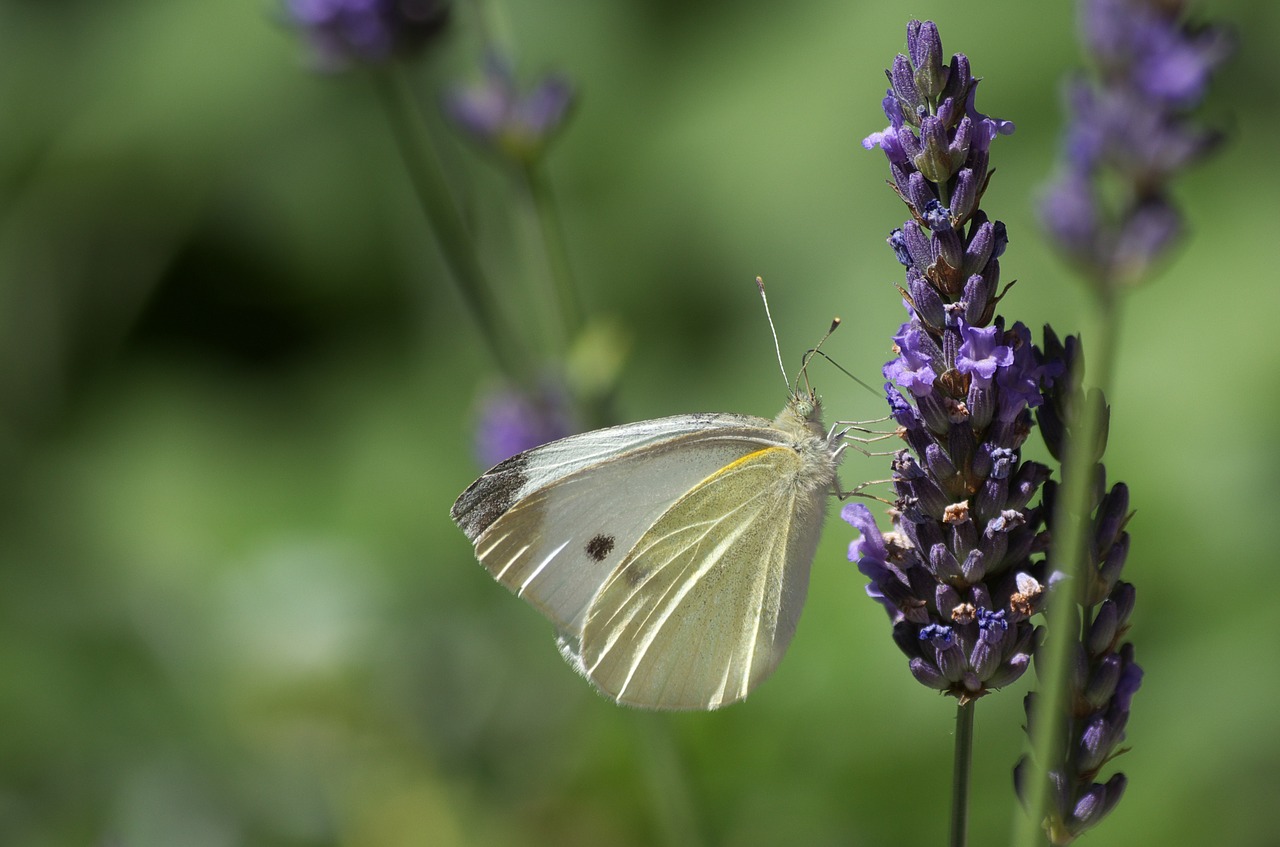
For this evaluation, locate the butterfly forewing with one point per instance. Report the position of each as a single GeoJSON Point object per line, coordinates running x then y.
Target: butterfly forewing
{"type": "Point", "coordinates": [552, 524]}
{"type": "Point", "coordinates": [704, 606]}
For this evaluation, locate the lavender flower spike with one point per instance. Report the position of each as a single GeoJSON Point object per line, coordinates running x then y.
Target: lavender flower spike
{"type": "Point", "coordinates": [957, 574]}
{"type": "Point", "coordinates": [1132, 129]}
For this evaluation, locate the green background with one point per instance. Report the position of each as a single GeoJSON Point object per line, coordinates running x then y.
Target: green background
{"type": "Point", "coordinates": [236, 400]}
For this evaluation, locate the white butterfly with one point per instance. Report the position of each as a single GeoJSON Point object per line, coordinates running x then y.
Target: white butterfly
{"type": "Point", "coordinates": [672, 555]}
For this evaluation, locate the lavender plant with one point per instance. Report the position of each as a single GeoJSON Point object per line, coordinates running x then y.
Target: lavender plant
{"type": "Point", "coordinates": [971, 558]}
{"type": "Point", "coordinates": [1110, 214]}
{"type": "Point", "coordinates": [957, 573]}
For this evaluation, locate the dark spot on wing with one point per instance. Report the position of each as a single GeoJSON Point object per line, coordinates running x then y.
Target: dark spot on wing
{"type": "Point", "coordinates": [489, 497]}
{"type": "Point", "coordinates": [599, 547]}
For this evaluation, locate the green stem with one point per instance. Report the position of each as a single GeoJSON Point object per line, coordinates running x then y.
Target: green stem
{"type": "Point", "coordinates": [434, 197]}
{"type": "Point", "coordinates": [1071, 523]}
{"type": "Point", "coordinates": [568, 308]}
{"type": "Point", "coordinates": [960, 777]}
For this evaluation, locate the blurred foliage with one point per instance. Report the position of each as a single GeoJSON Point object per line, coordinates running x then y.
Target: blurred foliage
{"type": "Point", "coordinates": [236, 397]}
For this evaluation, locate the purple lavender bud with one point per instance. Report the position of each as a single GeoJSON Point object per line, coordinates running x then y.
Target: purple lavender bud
{"type": "Point", "coordinates": [918, 246]}
{"type": "Point", "coordinates": [943, 565]}
{"type": "Point", "coordinates": [980, 249]}
{"type": "Point", "coordinates": [925, 299]}
{"type": "Point", "coordinates": [1093, 815]}
{"type": "Point", "coordinates": [901, 174]}
{"type": "Point", "coordinates": [964, 536]}
{"type": "Point", "coordinates": [948, 248]}
{"type": "Point", "coordinates": [346, 32]}
{"type": "Point", "coordinates": [514, 420]}
{"type": "Point", "coordinates": [1102, 732]}
{"type": "Point", "coordinates": [902, 79]}
{"type": "Point", "coordinates": [959, 79]}
{"type": "Point", "coordinates": [1010, 671]}
{"type": "Point", "coordinates": [958, 149]}
{"type": "Point", "coordinates": [1123, 596]}
{"type": "Point", "coordinates": [934, 159]}
{"type": "Point", "coordinates": [1102, 682]}
{"type": "Point", "coordinates": [928, 675]}
{"type": "Point", "coordinates": [1102, 632]}
{"type": "Point", "coordinates": [940, 467]}
{"type": "Point", "coordinates": [964, 197]}
{"type": "Point", "coordinates": [905, 146]}
{"type": "Point", "coordinates": [1130, 679]}
{"type": "Point", "coordinates": [1089, 809]}
{"type": "Point", "coordinates": [1112, 515]}
{"type": "Point", "coordinates": [949, 658]}
{"type": "Point", "coordinates": [1109, 571]}
{"type": "Point", "coordinates": [974, 567]}
{"type": "Point", "coordinates": [924, 44]}
{"type": "Point", "coordinates": [987, 653]}
{"type": "Point", "coordinates": [1024, 484]}
{"type": "Point", "coordinates": [494, 113]}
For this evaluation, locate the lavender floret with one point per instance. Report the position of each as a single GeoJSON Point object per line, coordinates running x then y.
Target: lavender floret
{"type": "Point", "coordinates": [498, 116]}
{"type": "Point", "coordinates": [347, 32]}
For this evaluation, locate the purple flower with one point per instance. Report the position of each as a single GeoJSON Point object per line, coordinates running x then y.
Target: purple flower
{"type": "Point", "coordinates": [913, 369]}
{"type": "Point", "coordinates": [1130, 130]}
{"type": "Point", "coordinates": [980, 355]}
{"type": "Point", "coordinates": [957, 573]}
{"type": "Point", "coordinates": [513, 420]}
{"type": "Point", "coordinates": [346, 32]}
{"type": "Point", "coordinates": [495, 114]}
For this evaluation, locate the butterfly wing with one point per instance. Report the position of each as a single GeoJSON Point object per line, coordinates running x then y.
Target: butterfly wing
{"type": "Point", "coordinates": [554, 522]}
{"type": "Point", "coordinates": [705, 604]}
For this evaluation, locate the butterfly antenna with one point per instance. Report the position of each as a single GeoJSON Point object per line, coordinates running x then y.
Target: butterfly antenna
{"type": "Point", "coordinates": [773, 330]}
{"type": "Point", "coordinates": [817, 351]}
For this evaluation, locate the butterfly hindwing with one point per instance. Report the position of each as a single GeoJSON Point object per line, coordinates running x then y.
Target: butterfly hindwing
{"type": "Point", "coordinates": [704, 605]}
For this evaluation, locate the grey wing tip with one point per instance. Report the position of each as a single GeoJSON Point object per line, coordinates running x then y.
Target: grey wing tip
{"type": "Point", "coordinates": [490, 496]}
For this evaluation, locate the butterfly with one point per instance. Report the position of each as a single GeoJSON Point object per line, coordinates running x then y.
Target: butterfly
{"type": "Point", "coordinates": [672, 555]}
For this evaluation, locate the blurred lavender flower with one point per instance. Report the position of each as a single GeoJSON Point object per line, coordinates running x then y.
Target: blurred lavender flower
{"type": "Point", "coordinates": [1103, 675]}
{"type": "Point", "coordinates": [956, 573]}
{"type": "Point", "coordinates": [514, 420]}
{"type": "Point", "coordinates": [346, 32]}
{"type": "Point", "coordinates": [1109, 213]}
{"type": "Point", "coordinates": [496, 115]}
{"type": "Point", "coordinates": [1130, 129]}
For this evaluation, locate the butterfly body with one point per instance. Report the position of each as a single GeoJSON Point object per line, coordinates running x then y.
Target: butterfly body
{"type": "Point", "coordinates": [672, 555]}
